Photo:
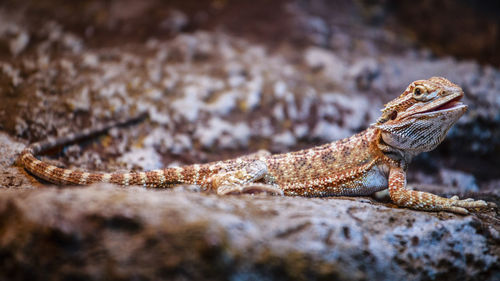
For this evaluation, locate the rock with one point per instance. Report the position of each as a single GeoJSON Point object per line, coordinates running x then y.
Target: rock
{"type": "Point", "coordinates": [363, 72]}
{"type": "Point", "coordinates": [463, 181]}
{"type": "Point", "coordinates": [331, 65]}
{"type": "Point", "coordinates": [105, 232]}
{"type": "Point", "coordinates": [13, 37]}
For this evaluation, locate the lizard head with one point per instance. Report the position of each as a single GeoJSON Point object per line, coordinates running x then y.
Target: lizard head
{"type": "Point", "coordinates": [418, 120]}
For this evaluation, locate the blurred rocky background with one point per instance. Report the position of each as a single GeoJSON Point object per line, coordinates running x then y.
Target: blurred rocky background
{"type": "Point", "coordinates": [224, 78]}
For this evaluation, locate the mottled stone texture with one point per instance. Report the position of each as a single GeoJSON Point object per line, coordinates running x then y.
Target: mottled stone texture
{"type": "Point", "coordinates": [220, 79]}
{"type": "Point", "coordinates": [103, 232]}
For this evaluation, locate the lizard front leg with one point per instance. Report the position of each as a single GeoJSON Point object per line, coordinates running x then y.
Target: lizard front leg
{"type": "Point", "coordinates": [426, 201]}
{"type": "Point", "coordinates": [244, 180]}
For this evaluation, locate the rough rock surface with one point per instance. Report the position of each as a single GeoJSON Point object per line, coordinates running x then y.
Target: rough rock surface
{"type": "Point", "coordinates": [112, 233]}
{"type": "Point", "coordinates": [212, 91]}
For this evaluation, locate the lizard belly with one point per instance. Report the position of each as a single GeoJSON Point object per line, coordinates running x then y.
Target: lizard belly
{"type": "Point", "coordinates": [373, 180]}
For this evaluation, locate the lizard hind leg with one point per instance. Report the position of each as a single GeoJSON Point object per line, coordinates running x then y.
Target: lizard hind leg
{"type": "Point", "coordinates": [244, 180]}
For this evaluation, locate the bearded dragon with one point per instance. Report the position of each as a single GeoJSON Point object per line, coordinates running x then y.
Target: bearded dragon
{"type": "Point", "coordinates": [372, 160]}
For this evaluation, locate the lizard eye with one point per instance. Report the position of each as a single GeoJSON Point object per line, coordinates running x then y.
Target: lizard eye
{"type": "Point", "coordinates": [419, 92]}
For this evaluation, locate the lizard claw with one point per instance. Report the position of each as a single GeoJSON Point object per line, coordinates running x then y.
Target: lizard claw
{"type": "Point", "coordinates": [463, 206]}
{"type": "Point", "coordinates": [458, 210]}
{"type": "Point", "coordinates": [470, 203]}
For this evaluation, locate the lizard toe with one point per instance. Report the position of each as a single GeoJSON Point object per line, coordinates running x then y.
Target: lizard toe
{"type": "Point", "coordinates": [250, 188]}
{"type": "Point", "coordinates": [458, 210]}
{"type": "Point", "coordinates": [261, 188]}
{"type": "Point", "coordinates": [471, 204]}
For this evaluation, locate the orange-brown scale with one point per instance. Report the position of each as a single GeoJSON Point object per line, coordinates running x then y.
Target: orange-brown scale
{"type": "Point", "coordinates": [318, 170]}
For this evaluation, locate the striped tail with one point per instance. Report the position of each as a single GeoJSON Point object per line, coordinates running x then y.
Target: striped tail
{"type": "Point", "coordinates": [56, 175]}
{"type": "Point", "coordinates": [60, 176]}
{"type": "Point", "coordinates": [193, 174]}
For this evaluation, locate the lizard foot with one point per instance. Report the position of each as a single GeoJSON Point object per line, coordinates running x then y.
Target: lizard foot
{"type": "Point", "coordinates": [420, 200]}
{"type": "Point", "coordinates": [462, 206]}
{"type": "Point", "coordinates": [250, 188]}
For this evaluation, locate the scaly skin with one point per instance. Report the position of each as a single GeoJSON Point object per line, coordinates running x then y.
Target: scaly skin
{"type": "Point", "coordinates": [375, 159]}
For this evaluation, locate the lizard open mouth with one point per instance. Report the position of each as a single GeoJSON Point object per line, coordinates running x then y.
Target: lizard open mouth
{"type": "Point", "coordinates": [451, 104]}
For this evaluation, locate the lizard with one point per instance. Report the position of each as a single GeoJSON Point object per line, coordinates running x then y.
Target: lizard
{"type": "Point", "coordinates": [375, 159]}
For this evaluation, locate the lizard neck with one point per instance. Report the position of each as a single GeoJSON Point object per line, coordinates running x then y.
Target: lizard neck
{"type": "Point", "coordinates": [400, 156]}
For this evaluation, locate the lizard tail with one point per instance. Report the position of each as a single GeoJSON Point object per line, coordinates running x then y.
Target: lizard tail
{"type": "Point", "coordinates": [56, 175]}
{"type": "Point", "coordinates": [61, 176]}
